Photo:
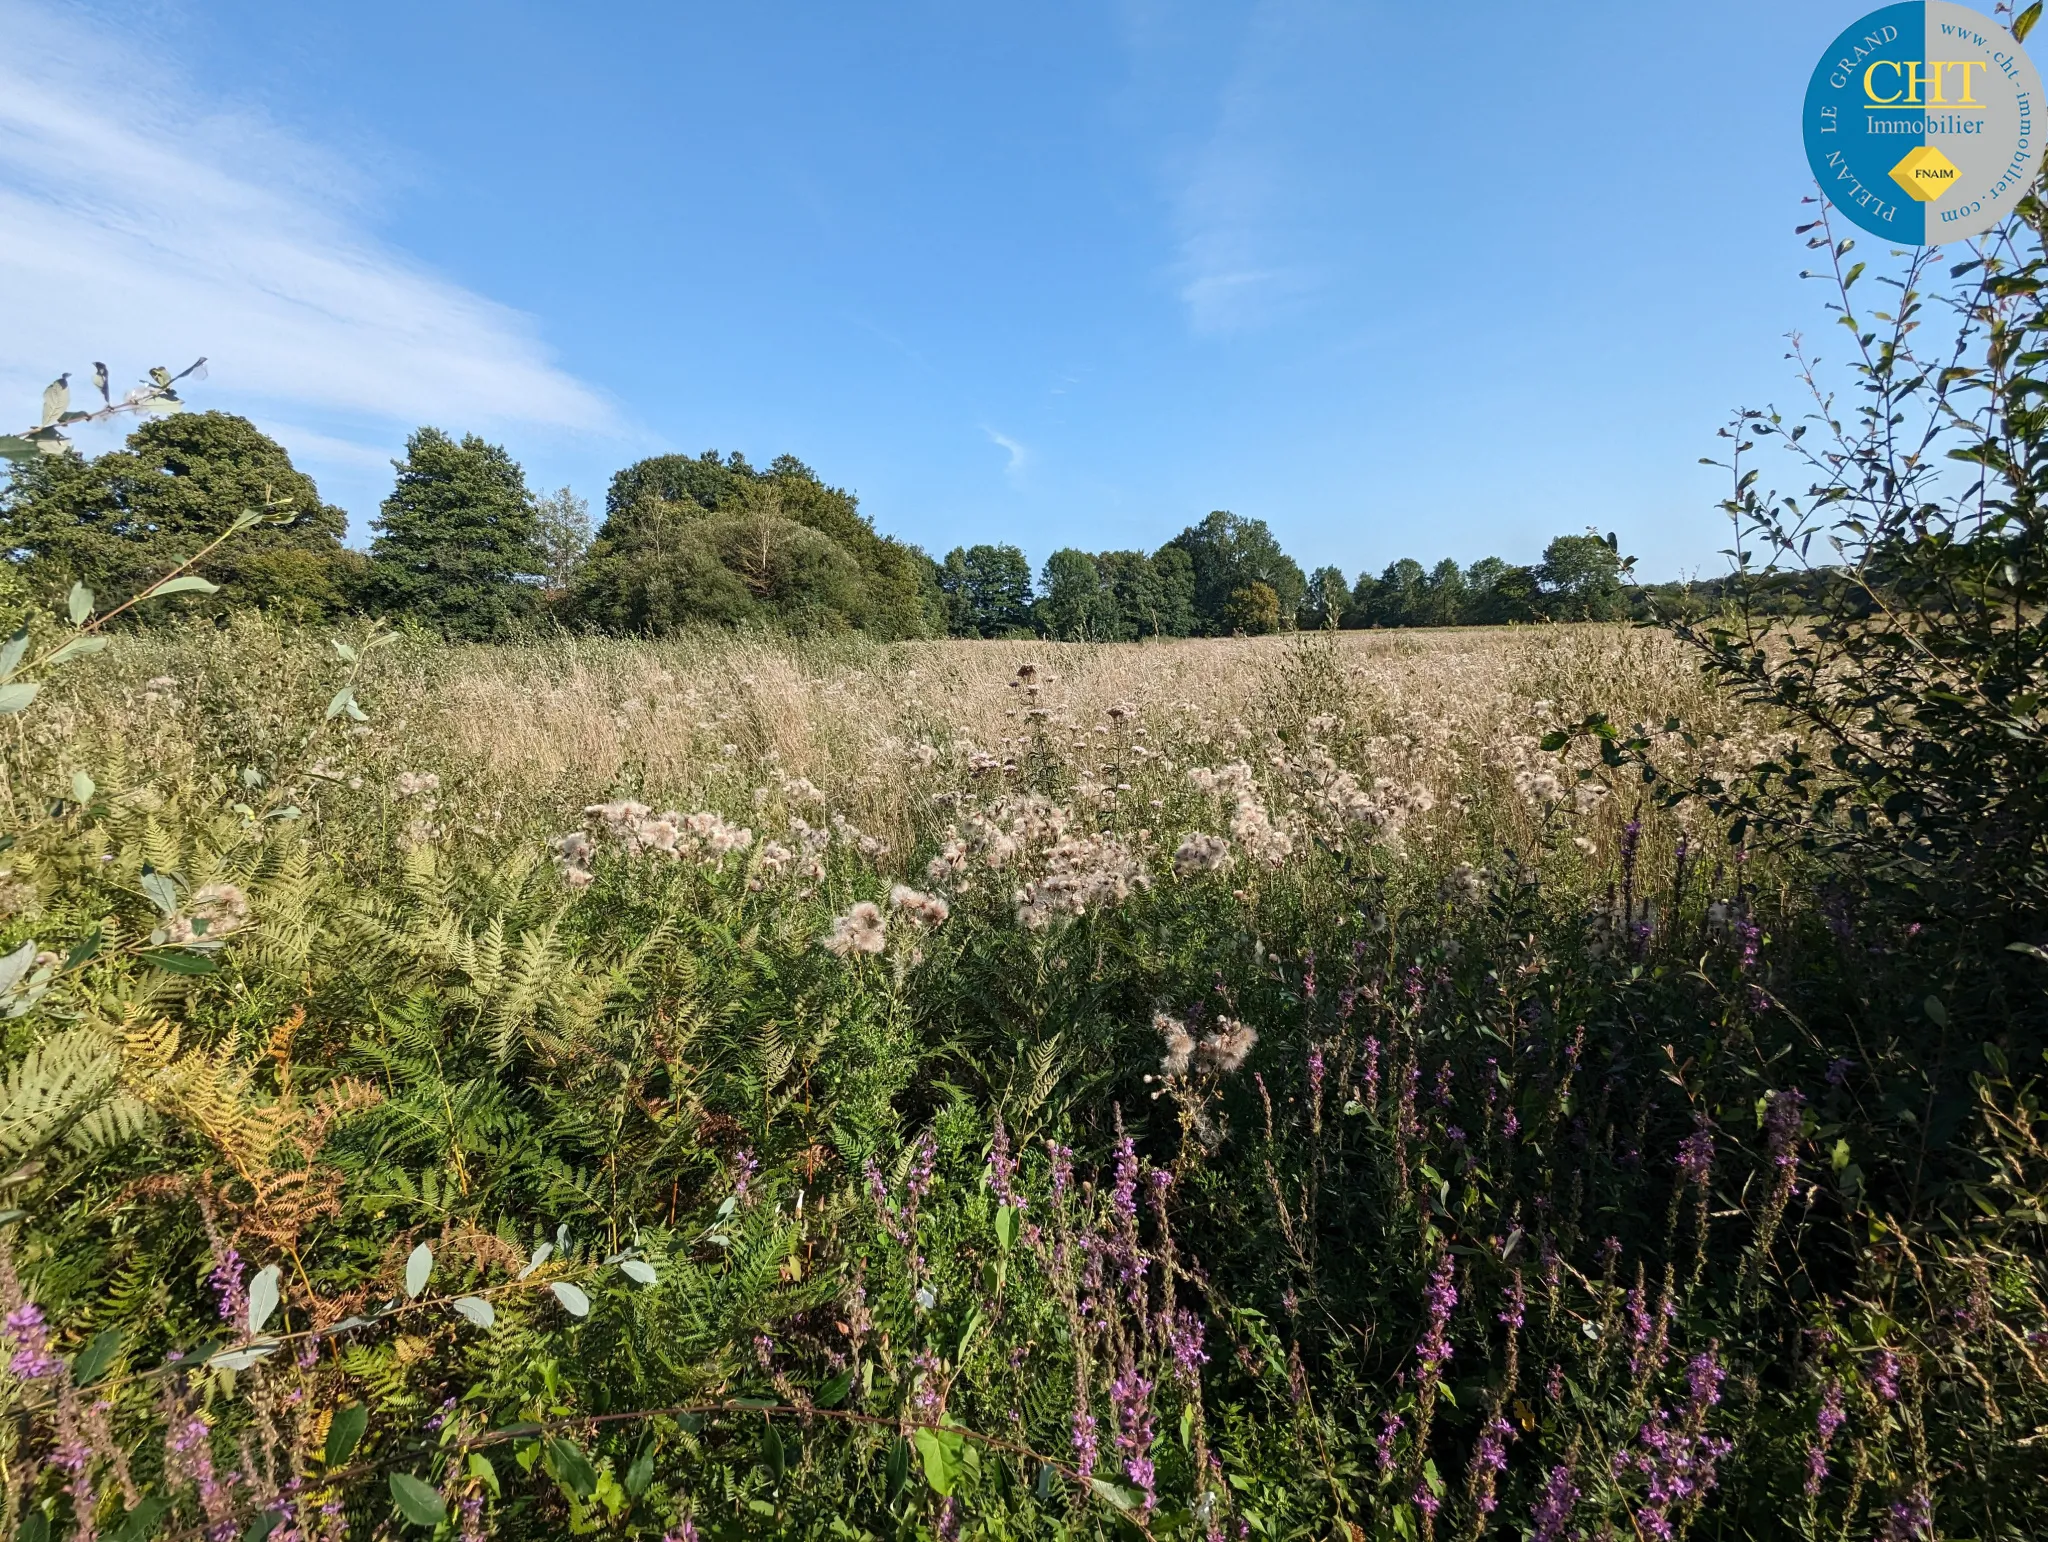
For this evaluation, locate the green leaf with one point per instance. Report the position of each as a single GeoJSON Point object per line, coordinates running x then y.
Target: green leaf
{"type": "Point", "coordinates": [1006, 1227]}
{"type": "Point", "coordinates": [897, 1471]}
{"type": "Point", "coordinates": [16, 695]}
{"type": "Point", "coordinates": [77, 648]}
{"type": "Point", "coordinates": [78, 604]}
{"type": "Point", "coordinates": [1937, 1013]}
{"type": "Point", "coordinates": [574, 1302]}
{"type": "Point", "coordinates": [1556, 739]}
{"type": "Point", "coordinates": [241, 1358]}
{"type": "Point", "coordinates": [260, 1528]}
{"type": "Point", "coordinates": [570, 1467]}
{"type": "Point", "coordinates": [417, 1501]}
{"type": "Point", "coordinates": [476, 1309]}
{"type": "Point", "coordinates": [162, 890]}
{"type": "Point", "coordinates": [833, 1393]}
{"type": "Point", "coordinates": [178, 961]}
{"type": "Point", "coordinates": [639, 1271]}
{"type": "Point", "coordinates": [931, 1450]}
{"type": "Point", "coordinates": [641, 1473]}
{"type": "Point", "coordinates": [11, 654]}
{"type": "Point", "coordinates": [2023, 23]}
{"type": "Point", "coordinates": [82, 787]}
{"type": "Point", "coordinates": [14, 447]}
{"type": "Point", "coordinates": [773, 1456]}
{"type": "Point", "coordinates": [15, 965]}
{"type": "Point", "coordinates": [344, 699]}
{"type": "Point", "coordinates": [263, 1297]}
{"type": "Point", "coordinates": [189, 583]}
{"type": "Point", "coordinates": [345, 1432]}
{"type": "Point", "coordinates": [35, 1527]}
{"type": "Point", "coordinates": [348, 654]}
{"type": "Point", "coordinates": [481, 1469]}
{"type": "Point", "coordinates": [94, 1359]}
{"type": "Point", "coordinates": [417, 1268]}
{"type": "Point", "coordinates": [1123, 1498]}
{"type": "Point", "coordinates": [138, 1523]}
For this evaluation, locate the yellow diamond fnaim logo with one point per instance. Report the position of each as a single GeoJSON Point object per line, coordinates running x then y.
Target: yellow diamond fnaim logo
{"type": "Point", "coordinates": [1925, 173]}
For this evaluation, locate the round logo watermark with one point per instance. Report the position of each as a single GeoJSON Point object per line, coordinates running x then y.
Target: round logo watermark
{"type": "Point", "coordinates": [1924, 122]}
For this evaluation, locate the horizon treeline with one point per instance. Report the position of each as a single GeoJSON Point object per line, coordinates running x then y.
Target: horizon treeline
{"type": "Point", "coordinates": [464, 546]}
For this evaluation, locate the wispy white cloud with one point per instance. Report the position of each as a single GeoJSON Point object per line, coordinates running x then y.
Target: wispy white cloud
{"type": "Point", "coordinates": [143, 224]}
{"type": "Point", "coordinates": [1247, 200]}
{"type": "Point", "coordinates": [1020, 457]}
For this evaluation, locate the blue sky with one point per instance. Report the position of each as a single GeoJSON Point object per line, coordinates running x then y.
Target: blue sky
{"type": "Point", "coordinates": [1401, 280]}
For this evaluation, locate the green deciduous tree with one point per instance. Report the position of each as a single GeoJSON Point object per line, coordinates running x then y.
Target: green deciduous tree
{"type": "Point", "coordinates": [710, 539]}
{"type": "Point", "coordinates": [1253, 609]}
{"type": "Point", "coordinates": [1326, 600]}
{"type": "Point", "coordinates": [563, 522]}
{"type": "Point", "coordinates": [987, 590]}
{"type": "Point", "coordinates": [1581, 579]}
{"type": "Point", "coordinates": [120, 520]}
{"type": "Point", "coordinates": [1228, 553]}
{"type": "Point", "coordinates": [458, 542]}
{"type": "Point", "coordinates": [1074, 604]}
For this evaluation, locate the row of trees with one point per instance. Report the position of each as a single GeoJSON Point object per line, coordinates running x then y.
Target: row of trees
{"type": "Point", "coordinates": [464, 546]}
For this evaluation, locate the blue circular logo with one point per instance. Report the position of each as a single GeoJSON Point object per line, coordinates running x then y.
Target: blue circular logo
{"type": "Point", "coordinates": [1923, 122]}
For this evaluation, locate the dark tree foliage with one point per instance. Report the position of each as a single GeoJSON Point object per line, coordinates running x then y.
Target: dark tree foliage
{"type": "Point", "coordinates": [119, 521]}
{"type": "Point", "coordinates": [1074, 603]}
{"type": "Point", "coordinates": [1581, 579]}
{"type": "Point", "coordinates": [1227, 553]}
{"type": "Point", "coordinates": [987, 591]}
{"type": "Point", "coordinates": [710, 540]}
{"type": "Point", "coordinates": [458, 542]}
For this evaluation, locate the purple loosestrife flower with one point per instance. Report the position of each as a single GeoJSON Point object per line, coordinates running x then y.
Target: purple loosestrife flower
{"type": "Point", "coordinates": [1443, 1085]}
{"type": "Point", "coordinates": [1703, 1377]}
{"type": "Point", "coordinates": [1825, 1423]}
{"type": "Point", "coordinates": [1696, 1155]}
{"type": "Point", "coordinates": [1425, 1499]}
{"type": "Point", "coordinates": [1062, 1168]}
{"type": "Point", "coordinates": [1911, 1519]}
{"type": "Point", "coordinates": [1554, 1506]}
{"type": "Point", "coordinates": [32, 1359]}
{"type": "Point", "coordinates": [1002, 1170]}
{"type": "Point", "coordinates": [1781, 1127]}
{"type": "Point", "coordinates": [685, 1530]}
{"type": "Point", "coordinates": [1838, 1072]}
{"type": "Point", "coordinates": [1130, 1398]}
{"type": "Point", "coordinates": [921, 1170]}
{"type": "Point", "coordinates": [1515, 1307]}
{"type": "Point", "coordinates": [1315, 1072]}
{"type": "Point", "coordinates": [1390, 1426]}
{"type": "Point", "coordinates": [1085, 1444]}
{"type": "Point", "coordinates": [472, 1524]}
{"type": "Point", "coordinates": [1489, 1461]}
{"type": "Point", "coordinates": [1440, 1296]}
{"type": "Point", "coordinates": [226, 1281]}
{"type": "Point", "coordinates": [744, 1166]}
{"type": "Point", "coordinates": [1638, 1330]}
{"type": "Point", "coordinates": [1884, 1375]}
{"type": "Point", "coordinates": [1510, 1125]}
{"type": "Point", "coordinates": [1553, 1384]}
{"type": "Point", "coordinates": [1184, 1335]}
{"type": "Point", "coordinates": [947, 1527]}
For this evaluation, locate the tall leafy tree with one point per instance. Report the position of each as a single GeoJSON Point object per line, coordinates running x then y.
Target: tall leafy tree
{"type": "Point", "coordinates": [1581, 579]}
{"type": "Point", "coordinates": [562, 521]}
{"type": "Point", "coordinates": [1398, 596]}
{"type": "Point", "coordinates": [987, 589]}
{"type": "Point", "coordinates": [1143, 593]}
{"type": "Point", "coordinates": [1228, 553]}
{"type": "Point", "coordinates": [1074, 604]}
{"type": "Point", "coordinates": [120, 520]}
{"type": "Point", "coordinates": [1442, 598]}
{"type": "Point", "coordinates": [1173, 574]}
{"type": "Point", "coordinates": [891, 589]}
{"type": "Point", "coordinates": [458, 542]}
{"type": "Point", "coordinates": [1328, 597]}
{"type": "Point", "coordinates": [1253, 609]}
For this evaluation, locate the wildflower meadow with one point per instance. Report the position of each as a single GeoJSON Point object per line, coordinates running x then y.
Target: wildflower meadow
{"type": "Point", "coordinates": [1563, 1081]}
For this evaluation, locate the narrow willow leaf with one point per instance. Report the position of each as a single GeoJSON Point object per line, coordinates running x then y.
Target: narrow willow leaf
{"type": "Point", "coordinates": [416, 1500]}
{"type": "Point", "coordinates": [190, 583]}
{"type": "Point", "coordinates": [343, 700]}
{"type": "Point", "coordinates": [2023, 23]}
{"type": "Point", "coordinates": [16, 695]}
{"type": "Point", "coordinates": [639, 1271]}
{"type": "Point", "coordinates": [182, 961]}
{"type": "Point", "coordinates": [345, 1432]}
{"type": "Point", "coordinates": [570, 1467]}
{"type": "Point", "coordinates": [417, 1268]}
{"type": "Point", "coordinates": [162, 890]}
{"type": "Point", "coordinates": [78, 648]}
{"type": "Point", "coordinates": [641, 1473]}
{"type": "Point", "coordinates": [241, 1359]}
{"type": "Point", "coordinates": [11, 654]}
{"type": "Point", "coordinates": [78, 604]}
{"type": "Point", "coordinates": [263, 1297]}
{"type": "Point", "coordinates": [15, 965]}
{"type": "Point", "coordinates": [541, 1255]}
{"type": "Point", "coordinates": [574, 1302]}
{"type": "Point", "coordinates": [94, 1359]}
{"type": "Point", "coordinates": [476, 1309]}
